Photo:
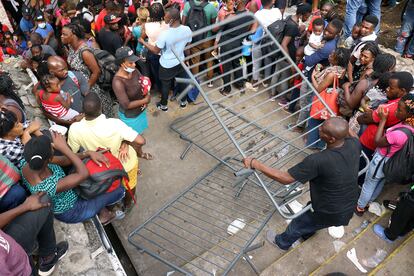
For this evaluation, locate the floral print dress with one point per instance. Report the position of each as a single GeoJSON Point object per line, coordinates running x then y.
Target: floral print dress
{"type": "Point", "coordinates": [76, 63]}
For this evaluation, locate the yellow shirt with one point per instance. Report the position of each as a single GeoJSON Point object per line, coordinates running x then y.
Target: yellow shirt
{"type": "Point", "coordinates": [103, 133]}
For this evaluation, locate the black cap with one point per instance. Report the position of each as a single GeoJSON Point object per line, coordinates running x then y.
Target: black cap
{"type": "Point", "coordinates": [111, 19]}
{"type": "Point", "coordinates": [26, 11]}
{"type": "Point", "coordinates": [40, 17]}
{"type": "Point", "coordinates": [37, 151]}
{"type": "Point", "coordinates": [125, 53]}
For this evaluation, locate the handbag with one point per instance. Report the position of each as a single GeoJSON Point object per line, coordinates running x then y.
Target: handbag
{"type": "Point", "coordinates": [10, 175]}
{"type": "Point", "coordinates": [329, 96]}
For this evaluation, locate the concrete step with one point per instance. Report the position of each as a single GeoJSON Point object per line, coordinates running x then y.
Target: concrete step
{"type": "Point", "coordinates": [366, 246]}
{"type": "Point", "coordinates": [399, 261]}
{"type": "Point", "coordinates": [315, 251]}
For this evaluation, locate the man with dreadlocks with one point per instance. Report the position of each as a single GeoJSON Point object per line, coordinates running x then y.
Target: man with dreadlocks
{"type": "Point", "coordinates": [402, 219]}
{"type": "Point", "coordinates": [391, 141]}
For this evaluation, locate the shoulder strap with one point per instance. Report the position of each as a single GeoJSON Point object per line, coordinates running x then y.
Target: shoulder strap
{"type": "Point", "coordinates": [73, 77]}
{"type": "Point", "coordinates": [204, 3]}
{"type": "Point", "coordinates": [406, 131]}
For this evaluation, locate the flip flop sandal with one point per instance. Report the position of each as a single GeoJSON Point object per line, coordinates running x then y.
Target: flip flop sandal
{"type": "Point", "coordinates": [118, 215]}
{"type": "Point", "coordinates": [147, 156]}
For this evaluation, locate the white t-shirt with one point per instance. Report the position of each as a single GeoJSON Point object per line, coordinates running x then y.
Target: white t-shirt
{"type": "Point", "coordinates": [268, 16]}
{"type": "Point", "coordinates": [154, 29]}
{"type": "Point", "coordinates": [358, 48]}
{"type": "Point", "coordinates": [314, 39]}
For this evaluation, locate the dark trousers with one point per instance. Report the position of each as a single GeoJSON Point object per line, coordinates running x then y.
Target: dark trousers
{"type": "Point", "coordinates": [154, 68]}
{"type": "Point", "coordinates": [293, 99]}
{"type": "Point", "coordinates": [34, 226]}
{"type": "Point", "coordinates": [402, 219]}
{"type": "Point", "coordinates": [167, 76]}
{"type": "Point", "coordinates": [303, 226]}
{"type": "Point", "coordinates": [229, 62]}
{"type": "Point", "coordinates": [13, 198]}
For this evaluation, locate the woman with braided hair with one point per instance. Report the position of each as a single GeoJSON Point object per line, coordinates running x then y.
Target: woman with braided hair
{"type": "Point", "coordinates": [390, 141]}
{"type": "Point", "coordinates": [82, 59]}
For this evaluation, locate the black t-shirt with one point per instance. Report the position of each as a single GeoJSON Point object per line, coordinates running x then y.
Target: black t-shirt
{"type": "Point", "coordinates": [292, 30]}
{"type": "Point", "coordinates": [109, 40]}
{"type": "Point", "coordinates": [333, 175]}
{"type": "Point", "coordinates": [236, 31]}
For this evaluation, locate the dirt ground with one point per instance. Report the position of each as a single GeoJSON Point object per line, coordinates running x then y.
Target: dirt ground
{"type": "Point", "coordinates": [390, 22]}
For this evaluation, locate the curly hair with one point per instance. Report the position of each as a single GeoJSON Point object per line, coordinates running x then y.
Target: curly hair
{"type": "Point", "coordinates": [383, 63]}
{"type": "Point", "coordinates": [7, 89]}
{"type": "Point", "coordinates": [408, 100]}
{"type": "Point", "coordinates": [156, 12]}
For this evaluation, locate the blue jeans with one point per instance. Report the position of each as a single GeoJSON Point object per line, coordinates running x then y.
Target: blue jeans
{"type": "Point", "coordinates": [303, 226]}
{"type": "Point", "coordinates": [13, 198]}
{"type": "Point", "coordinates": [407, 31]}
{"type": "Point", "coordinates": [313, 134]}
{"type": "Point", "coordinates": [356, 10]}
{"type": "Point", "coordinates": [86, 209]}
{"type": "Point", "coordinates": [374, 180]}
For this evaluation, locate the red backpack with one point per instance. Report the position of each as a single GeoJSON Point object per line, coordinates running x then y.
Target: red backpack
{"type": "Point", "coordinates": [103, 179]}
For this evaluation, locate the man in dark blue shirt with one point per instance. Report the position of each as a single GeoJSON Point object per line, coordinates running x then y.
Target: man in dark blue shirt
{"type": "Point", "coordinates": [26, 23]}
{"type": "Point", "coordinates": [330, 36]}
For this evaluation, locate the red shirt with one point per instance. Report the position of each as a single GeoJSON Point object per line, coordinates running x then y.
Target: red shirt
{"type": "Point", "coordinates": [100, 23]}
{"type": "Point", "coordinates": [297, 82]}
{"type": "Point", "coordinates": [132, 9]}
{"type": "Point", "coordinates": [368, 137]}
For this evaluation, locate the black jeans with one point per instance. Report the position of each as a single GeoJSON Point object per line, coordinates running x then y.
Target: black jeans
{"type": "Point", "coordinates": [154, 67]}
{"type": "Point", "coordinates": [167, 76]}
{"type": "Point", "coordinates": [304, 226]}
{"type": "Point", "coordinates": [229, 62]}
{"type": "Point", "coordinates": [402, 219]}
{"type": "Point", "coordinates": [34, 226]}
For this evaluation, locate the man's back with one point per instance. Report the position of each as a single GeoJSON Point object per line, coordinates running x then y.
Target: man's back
{"type": "Point", "coordinates": [109, 40]}
{"type": "Point", "coordinates": [103, 133]}
{"type": "Point", "coordinates": [333, 175]}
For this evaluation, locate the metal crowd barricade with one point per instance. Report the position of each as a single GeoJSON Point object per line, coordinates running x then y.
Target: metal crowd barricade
{"type": "Point", "coordinates": [189, 234]}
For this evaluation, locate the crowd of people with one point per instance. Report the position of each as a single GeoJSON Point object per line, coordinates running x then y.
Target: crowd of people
{"type": "Point", "coordinates": [89, 54]}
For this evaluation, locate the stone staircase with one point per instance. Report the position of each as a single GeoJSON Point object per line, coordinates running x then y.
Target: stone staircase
{"type": "Point", "coordinates": [322, 254]}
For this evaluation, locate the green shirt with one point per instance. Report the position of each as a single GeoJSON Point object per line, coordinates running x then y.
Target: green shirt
{"type": "Point", "coordinates": [209, 10]}
{"type": "Point", "coordinates": [61, 202]}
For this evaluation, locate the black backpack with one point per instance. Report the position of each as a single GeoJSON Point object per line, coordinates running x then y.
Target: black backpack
{"type": "Point", "coordinates": [400, 167]}
{"type": "Point", "coordinates": [107, 64]}
{"type": "Point", "coordinates": [277, 30]}
{"type": "Point", "coordinates": [197, 19]}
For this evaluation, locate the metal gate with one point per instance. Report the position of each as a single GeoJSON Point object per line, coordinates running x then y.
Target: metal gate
{"type": "Point", "coordinates": [189, 234]}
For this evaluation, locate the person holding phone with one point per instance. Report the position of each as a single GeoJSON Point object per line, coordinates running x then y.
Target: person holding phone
{"type": "Point", "coordinates": [20, 229]}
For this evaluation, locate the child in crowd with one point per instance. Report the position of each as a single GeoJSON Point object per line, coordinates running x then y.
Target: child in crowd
{"type": "Point", "coordinates": [9, 45]}
{"type": "Point", "coordinates": [391, 141]}
{"type": "Point", "coordinates": [142, 18]}
{"type": "Point", "coordinates": [316, 38]}
{"type": "Point", "coordinates": [352, 40]}
{"type": "Point", "coordinates": [373, 98]}
{"type": "Point", "coordinates": [20, 43]}
{"type": "Point", "coordinates": [376, 95]}
{"type": "Point", "coordinates": [55, 102]}
{"type": "Point", "coordinates": [297, 82]}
